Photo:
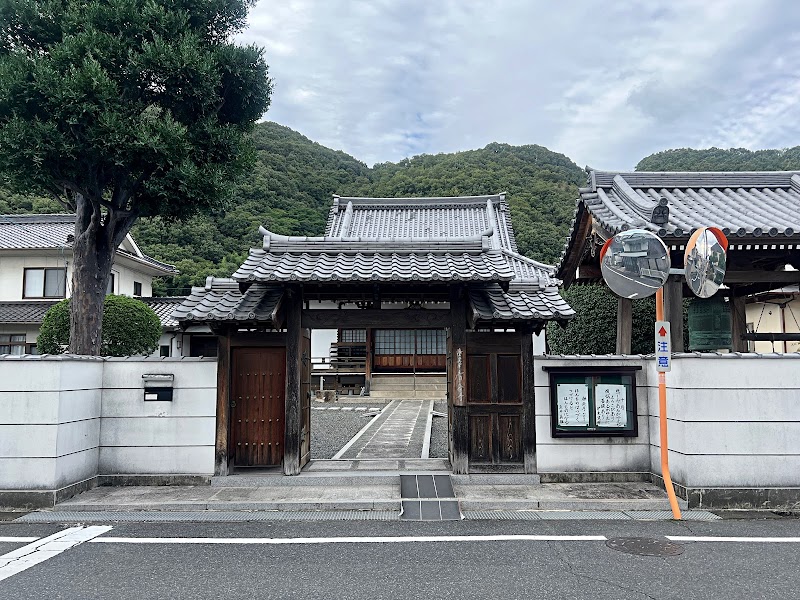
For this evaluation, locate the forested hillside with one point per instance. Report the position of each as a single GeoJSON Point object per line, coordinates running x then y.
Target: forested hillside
{"type": "Point", "coordinates": [290, 187]}
{"type": "Point", "coordinates": [717, 159]}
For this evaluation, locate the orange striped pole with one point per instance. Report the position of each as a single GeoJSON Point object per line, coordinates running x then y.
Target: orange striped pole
{"type": "Point", "coordinates": [662, 418]}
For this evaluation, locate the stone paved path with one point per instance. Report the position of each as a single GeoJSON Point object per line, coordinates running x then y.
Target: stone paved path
{"type": "Point", "coordinates": [399, 432]}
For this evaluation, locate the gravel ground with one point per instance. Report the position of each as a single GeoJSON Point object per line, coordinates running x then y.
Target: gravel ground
{"type": "Point", "coordinates": [439, 432]}
{"type": "Point", "coordinates": [332, 429]}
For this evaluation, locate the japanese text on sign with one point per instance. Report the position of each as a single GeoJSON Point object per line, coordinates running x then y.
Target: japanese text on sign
{"type": "Point", "coordinates": [610, 401]}
{"type": "Point", "coordinates": [663, 347]}
{"type": "Point", "coordinates": [573, 404]}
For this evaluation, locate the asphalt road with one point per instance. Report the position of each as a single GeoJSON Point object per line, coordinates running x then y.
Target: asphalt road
{"type": "Point", "coordinates": [319, 567]}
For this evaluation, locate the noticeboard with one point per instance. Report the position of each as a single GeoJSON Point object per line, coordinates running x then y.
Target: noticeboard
{"type": "Point", "coordinates": [595, 402]}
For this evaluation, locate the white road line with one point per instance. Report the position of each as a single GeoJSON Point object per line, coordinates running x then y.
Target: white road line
{"type": "Point", "coordinates": [17, 539]}
{"type": "Point", "coordinates": [426, 444]}
{"type": "Point", "coordinates": [354, 540]}
{"type": "Point", "coordinates": [763, 540]}
{"type": "Point", "coordinates": [39, 551]}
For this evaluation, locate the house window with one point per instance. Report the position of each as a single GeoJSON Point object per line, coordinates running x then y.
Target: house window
{"type": "Point", "coordinates": [203, 345]}
{"type": "Point", "coordinates": [353, 335]}
{"type": "Point", "coordinates": [164, 351]}
{"type": "Point", "coordinates": [110, 287]}
{"type": "Point", "coordinates": [137, 288]}
{"type": "Point", "coordinates": [44, 283]}
{"type": "Point", "coordinates": [12, 343]}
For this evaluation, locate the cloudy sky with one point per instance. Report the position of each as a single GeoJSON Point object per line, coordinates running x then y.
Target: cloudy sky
{"type": "Point", "coordinates": [605, 82]}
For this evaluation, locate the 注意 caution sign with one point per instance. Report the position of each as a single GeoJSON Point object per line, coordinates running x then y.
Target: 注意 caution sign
{"type": "Point", "coordinates": [663, 347]}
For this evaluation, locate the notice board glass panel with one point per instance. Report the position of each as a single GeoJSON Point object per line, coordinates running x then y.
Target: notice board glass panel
{"type": "Point", "coordinates": [593, 402]}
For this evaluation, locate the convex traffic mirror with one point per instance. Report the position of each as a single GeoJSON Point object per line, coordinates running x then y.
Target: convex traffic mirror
{"type": "Point", "coordinates": [635, 263]}
{"type": "Point", "coordinates": [705, 262]}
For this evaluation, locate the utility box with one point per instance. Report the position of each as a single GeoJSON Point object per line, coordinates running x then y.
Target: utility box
{"type": "Point", "coordinates": [158, 387]}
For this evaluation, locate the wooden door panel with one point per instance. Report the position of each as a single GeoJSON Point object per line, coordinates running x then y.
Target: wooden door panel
{"type": "Point", "coordinates": [510, 438]}
{"type": "Point", "coordinates": [480, 438]}
{"type": "Point", "coordinates": [257, 389]}
{"type": "Point", "coordinates": [494, 398]}
{"type": "Point", "coordinates": [478, 379]}
{"type": "Point", "coordinates": [509, 378]}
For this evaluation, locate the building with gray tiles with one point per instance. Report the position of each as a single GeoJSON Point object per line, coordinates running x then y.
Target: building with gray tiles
{"type": "Point", "coordinates": [420, 284]}
{"type": "Point", "coordinates": [757, 211]}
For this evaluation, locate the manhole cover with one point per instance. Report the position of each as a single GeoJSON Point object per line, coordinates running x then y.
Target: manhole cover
{"type": "Point", "coordinates": [644, 546]}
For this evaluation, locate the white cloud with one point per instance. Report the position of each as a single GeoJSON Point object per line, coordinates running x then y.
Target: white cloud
{"type": "Point", "coordinates": [605, 83]}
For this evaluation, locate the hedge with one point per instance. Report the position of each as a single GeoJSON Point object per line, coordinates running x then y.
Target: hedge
{"type": "Point", "coordinates": [130, 328]}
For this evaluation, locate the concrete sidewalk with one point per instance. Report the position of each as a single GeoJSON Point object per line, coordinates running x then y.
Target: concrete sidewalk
{"type": "Point", "coordinates": [366, 491]}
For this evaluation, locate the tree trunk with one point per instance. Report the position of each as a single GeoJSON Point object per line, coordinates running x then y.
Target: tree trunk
{"type": "Point", "coordinates": [93, 255]}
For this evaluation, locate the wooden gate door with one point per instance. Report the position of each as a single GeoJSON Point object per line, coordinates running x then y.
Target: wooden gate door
{"type": "Point", "coordinates": [494, 399]}
{"type": "Point", "coordinates": [257, 405]}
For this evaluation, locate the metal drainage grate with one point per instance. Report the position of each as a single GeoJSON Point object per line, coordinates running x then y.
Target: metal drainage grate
{"type": "Point", "coordinates": [500, 515]}
{"type": "Point", "coordinates": [583, 515]}
{"type": "Point", "coordinates": [206, 516]}
{"type": "Point", "coordinates": [644, 546]}
{"type": "Point", "coordinates": [661, 515]}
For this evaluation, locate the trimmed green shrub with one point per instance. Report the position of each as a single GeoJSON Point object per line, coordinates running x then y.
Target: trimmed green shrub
{"type": "Point", "coordinates": [130, 328]}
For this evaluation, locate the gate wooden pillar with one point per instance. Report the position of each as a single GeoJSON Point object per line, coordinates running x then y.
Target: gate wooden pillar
{"type": "Point", "coordinates": [459, 424]}
{"type": "Point", "coordinates": [624, 325]}
{"type": "Point", "coordinates": [293, 304]}
{"type": "Point", "coordinates": [528, 399]}
{"type": "Point", "coordinates": [673, 310]}
{"type": "Point", "coordinates": [221, 449]}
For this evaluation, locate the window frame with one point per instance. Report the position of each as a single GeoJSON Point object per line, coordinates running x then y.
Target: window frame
{"type": "Point", "coordinates": [44, 283]}
{"type": "Point", "coordinates": [139, 294]}
{"type": "Point", "coordinates": [10, 343]}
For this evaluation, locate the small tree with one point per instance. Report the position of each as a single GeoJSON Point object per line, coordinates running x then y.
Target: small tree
{"type": "Point", "coordinates": [120, 109]}
{"type": "Point", "coordinates": [130, 328]}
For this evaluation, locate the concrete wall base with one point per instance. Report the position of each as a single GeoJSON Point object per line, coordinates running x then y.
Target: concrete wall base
{"type": "Point", "coordinates": [736, 498]}
{"type": "Point", "coordinates": [34, 499]}
{"type": "Point", "coordinates": [595, 477]}
{"type": "Point", "coordinates": [171, 479]}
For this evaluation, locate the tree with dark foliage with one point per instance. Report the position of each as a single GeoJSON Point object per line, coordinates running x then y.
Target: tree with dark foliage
{"type": "Point", "coordinates": [120, 109]}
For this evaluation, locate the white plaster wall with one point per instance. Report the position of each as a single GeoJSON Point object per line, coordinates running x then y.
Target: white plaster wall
{"type": "Point", "coordinates": [49, 421]}
{"type": "Point", "coordinates": [138, 437]}
{"type": "Point", "coordinates": [12, 267]}
{"type": "Point", "coordinates": [127, 274]}
{"type": "Point", "coordinates": [734, 421]}
{"type": "Point", "coordinates": [607, 454]}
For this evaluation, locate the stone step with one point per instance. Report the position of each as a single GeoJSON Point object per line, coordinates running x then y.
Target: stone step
{"type": "Point", "coordinates": [407, 394]}
{"type": "Point", "coordinates": [497, 479]}
{"type": "Point", "coordinates": [434, 387]}
{"type": "Point", "coordinates": [395, 466]}
{"type": "Point", "coordinates": [333, 478]}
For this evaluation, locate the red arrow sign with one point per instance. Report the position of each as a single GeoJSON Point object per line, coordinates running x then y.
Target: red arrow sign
{"type": "Point", "coordinates": [662, 332]}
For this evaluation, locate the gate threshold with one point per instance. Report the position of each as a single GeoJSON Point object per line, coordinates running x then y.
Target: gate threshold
{"type": "Point", "coordinates": [408, 465]}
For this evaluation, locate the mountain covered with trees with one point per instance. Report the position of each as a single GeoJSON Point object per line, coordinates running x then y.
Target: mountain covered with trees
{"type": "Point", "coordinates": [290, 187]}
{"type": "Point", "coordinates": [289, 191]}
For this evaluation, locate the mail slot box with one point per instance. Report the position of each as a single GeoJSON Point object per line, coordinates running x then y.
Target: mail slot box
{"type": "Point", "coordinates": [158, 387]}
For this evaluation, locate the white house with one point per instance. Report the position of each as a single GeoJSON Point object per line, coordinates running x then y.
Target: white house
{"type": "Point", "coordinates": [36, 272]}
